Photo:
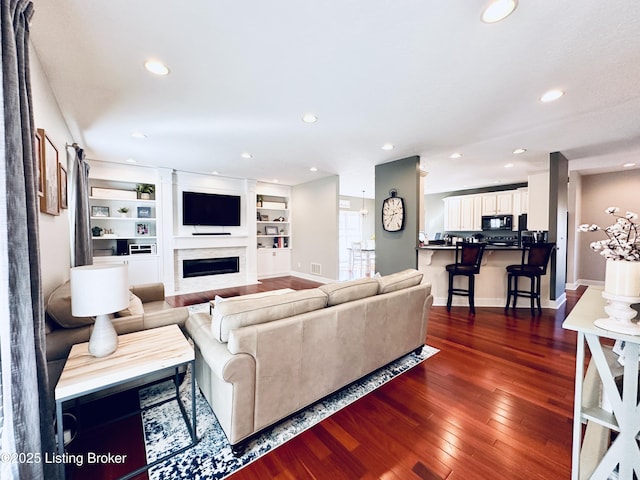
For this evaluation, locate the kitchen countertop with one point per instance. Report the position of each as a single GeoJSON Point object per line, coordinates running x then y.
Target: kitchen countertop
{"type": "Point", "coordinates": [453, 247]}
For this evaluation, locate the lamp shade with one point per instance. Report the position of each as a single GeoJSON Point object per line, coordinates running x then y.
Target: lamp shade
{"type": "Point", "coordinates": [99, 289]}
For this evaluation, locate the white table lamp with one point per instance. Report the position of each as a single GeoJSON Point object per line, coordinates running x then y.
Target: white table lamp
{"type": "Point", "coordinates": [100, 290]}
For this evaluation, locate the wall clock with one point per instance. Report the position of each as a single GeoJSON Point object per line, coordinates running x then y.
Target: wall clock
{"type": "Point", "coordinates": [393, 212]}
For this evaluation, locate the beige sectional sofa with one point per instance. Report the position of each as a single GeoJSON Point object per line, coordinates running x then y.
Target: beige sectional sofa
{"type": "Point", "coordinates": [147, 309]}
{"type": "Point", "coordinates": [261, 359]}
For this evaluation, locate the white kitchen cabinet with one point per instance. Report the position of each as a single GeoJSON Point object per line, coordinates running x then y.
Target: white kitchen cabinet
{"type": "Point", "coordinates": [520, 201]}
{"type": "Point", "coordinates": [452, 214]}
{"type": "Point", "coordinates": [498, 203]}
{"type": "Point", "coordinates": [477, 215]}
{"type": "Point", "coordinates": [463, 213]}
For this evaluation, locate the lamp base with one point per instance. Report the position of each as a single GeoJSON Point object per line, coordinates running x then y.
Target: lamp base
{"type": "Point", "coordinates": [620, 314]}
{"type": "Point", "coordinates": [104, 339]}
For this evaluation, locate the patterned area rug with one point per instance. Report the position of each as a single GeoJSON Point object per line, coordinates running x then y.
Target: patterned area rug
{"type": "Point", "coordinates": [211, 458]}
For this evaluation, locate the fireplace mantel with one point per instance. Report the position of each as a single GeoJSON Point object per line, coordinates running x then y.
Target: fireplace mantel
{"type": "Point", "coordinates": [209, 241]}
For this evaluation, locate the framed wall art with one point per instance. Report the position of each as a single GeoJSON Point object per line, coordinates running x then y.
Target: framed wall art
{"type": "Point", "coordinates": [62, 189]}
{"type": "Point", "coordinates": [142, 229]}
{"type": "Point", "coordinates": [99, 211]}
{"type": "Point", "coordinates": [144, 212]}
{"type": "Point", "coordinates": [50, 200]}
{"type": "Point", "coordinates": [38, 147]}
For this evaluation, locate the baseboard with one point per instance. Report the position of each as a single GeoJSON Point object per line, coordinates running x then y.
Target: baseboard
{"type": "Point", "coordinates": [498, 302]}
{"type": "Point", "coordinates": [590, 283]}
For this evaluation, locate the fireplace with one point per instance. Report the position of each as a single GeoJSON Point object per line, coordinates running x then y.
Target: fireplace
{"type": "Point", "coordinates": [202, 267]}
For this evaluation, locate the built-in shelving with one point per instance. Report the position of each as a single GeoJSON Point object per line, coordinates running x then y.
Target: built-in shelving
{"type": "Point", "coordinates": [273, 236]}
{"type": "Point", "coordinates": [118, 237]}
{"type": "Point", "coordinates": [272, 220]}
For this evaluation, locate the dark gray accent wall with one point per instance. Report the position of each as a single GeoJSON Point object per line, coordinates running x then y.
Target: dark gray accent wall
{"type": "Point", "coordinates": [558, 221]}
{"type": "Point", "coordinates": [396, 251]}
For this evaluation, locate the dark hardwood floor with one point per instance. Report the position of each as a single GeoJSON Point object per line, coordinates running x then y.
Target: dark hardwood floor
{"type": "Point", "coordinates": [495, 403]}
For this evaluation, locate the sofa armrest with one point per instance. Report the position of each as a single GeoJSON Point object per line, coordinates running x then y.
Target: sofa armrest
{"type": "Point", "coordinates": [224, 364]}
{"type": "Point", "coordinates": [159, 314]}
{"type": "Point", "coordinates": [226, 380]}
{"type": "Point", "coordinates": [148, 292]}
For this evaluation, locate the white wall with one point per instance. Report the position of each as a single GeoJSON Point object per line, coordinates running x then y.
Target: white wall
{"type": "Point", "coordinates": [314, 219]}
{"type": "Point", "coordinates": [618, 189]}
{"type": "Point", "coordinates": [55, 257]}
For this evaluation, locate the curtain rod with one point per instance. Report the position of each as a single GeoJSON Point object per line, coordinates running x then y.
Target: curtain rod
{"type": "Point", "coordinates": [73, 145]}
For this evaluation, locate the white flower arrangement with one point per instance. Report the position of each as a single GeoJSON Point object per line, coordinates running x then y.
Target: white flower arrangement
{"type": "Point", "coordinates": [622, 242]}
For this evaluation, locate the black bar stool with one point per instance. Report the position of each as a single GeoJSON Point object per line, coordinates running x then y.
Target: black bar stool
{"type": "Point", "coordinates": [535, 257]}
{"type": "Point", "coordinates": [468, 258]}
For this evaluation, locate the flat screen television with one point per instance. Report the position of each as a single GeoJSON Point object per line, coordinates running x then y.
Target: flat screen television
{"type": "Point", "coordinates": [210, 209]}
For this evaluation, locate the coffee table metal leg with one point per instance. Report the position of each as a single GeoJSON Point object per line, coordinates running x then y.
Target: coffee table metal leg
{"type": "Point", "coordinates": [194, 435]}
{"type": "Point", "coordinates": [60, 429]}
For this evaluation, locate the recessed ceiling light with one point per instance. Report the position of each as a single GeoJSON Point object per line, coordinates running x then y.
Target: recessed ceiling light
{"type": "Point", "coordinates": [246, 155]}
{"type": "Point", "coordinates": [630, 164]}
{"type": "Point", "coordinates": [156, 67]}
{"type": "Point", "coordinates": [388, 146]}
{"type": "Point", "coordinates": [455, 155]}
{"type": "Point", "coordinates": [131, 160]}
{"type": "Point", "coordinates": [498, 10]}
{"type": "Point", "coordinates": [215, 172]}
{"type": "Point", "coordinates": [275, 180]}
{"type": "Point", "coordinates": [508, 165]}
{"type": "Point", "coordinates": [138, 135]}
{"type": "Point", "coordinates": [309, 118]}
{"type": "Point", "coordinates": [551, 95]}
{"type": "Point", "coordinates": [518, 151]}
{"type": "Point", "coordinates": [313, 169]}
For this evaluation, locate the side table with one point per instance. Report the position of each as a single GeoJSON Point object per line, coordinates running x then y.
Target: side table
{"type": "Point", "coordinates": [595, 457]}
{"type": "Point", "coordinates": [138, 355]}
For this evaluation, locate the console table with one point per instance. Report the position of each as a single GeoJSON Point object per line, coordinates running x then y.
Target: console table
{"type": "Point", "coordinates": [596, 457]}
{"type": "Point", "coordinates": [138, 355]}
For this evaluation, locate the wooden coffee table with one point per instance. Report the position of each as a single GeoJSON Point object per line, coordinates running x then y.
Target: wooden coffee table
{"type": "Point", "coordinates": [139, 355]}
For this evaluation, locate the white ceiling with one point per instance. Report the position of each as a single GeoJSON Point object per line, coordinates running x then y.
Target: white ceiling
{"type": "Point", "coordinates": [427, 76]}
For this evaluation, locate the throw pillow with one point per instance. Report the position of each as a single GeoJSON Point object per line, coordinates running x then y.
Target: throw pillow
{"type": "Point", "coordinates": [59, 308]}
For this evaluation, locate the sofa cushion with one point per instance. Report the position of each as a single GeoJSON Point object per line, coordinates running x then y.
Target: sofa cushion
{"type": "Point", "coordinates": [342, 292]}
{"type": "Point", "coordinates": [238, 312]}
{"type": "Point", "coordinates": [399, 280]}
{"type": "Point", "coordinates": [59, 308]}
{"type": "Point", "coordinates": [135, 307]}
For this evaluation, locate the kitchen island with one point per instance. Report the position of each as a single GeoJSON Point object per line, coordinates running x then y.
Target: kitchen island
{"type": "Point", "coordinates": [491, 282]}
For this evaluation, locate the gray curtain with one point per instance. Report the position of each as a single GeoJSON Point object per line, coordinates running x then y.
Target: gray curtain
{"type": "Point", "coordinates": [83, 247]}
{"type": "Point", "coordinates": [27, 409]}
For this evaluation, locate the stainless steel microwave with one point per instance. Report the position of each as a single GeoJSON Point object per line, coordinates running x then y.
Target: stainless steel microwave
{"type": "Point", "coordinates": [497, 222]}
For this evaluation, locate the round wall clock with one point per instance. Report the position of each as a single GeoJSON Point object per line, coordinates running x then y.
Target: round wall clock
{"type": "Point", "coordinates": [393, 213]}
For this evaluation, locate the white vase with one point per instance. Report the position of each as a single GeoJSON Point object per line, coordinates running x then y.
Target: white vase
{"type": "Point", "coordinates": [104, 339]}
{"type": "Point", "coordinates": [622, 278]}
